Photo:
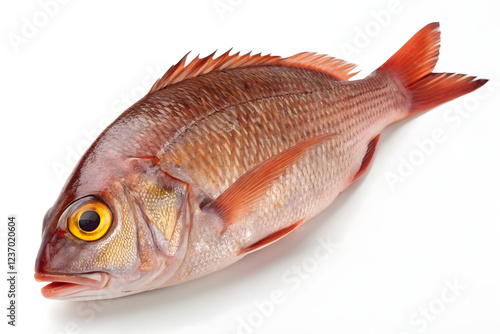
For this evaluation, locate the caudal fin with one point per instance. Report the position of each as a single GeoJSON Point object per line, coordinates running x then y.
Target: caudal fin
{"type": "Point", "coordinates": [413, 65]}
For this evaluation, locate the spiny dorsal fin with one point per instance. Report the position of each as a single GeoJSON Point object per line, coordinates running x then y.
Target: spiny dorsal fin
{"type": "Point", "coordinates": [334, 67]}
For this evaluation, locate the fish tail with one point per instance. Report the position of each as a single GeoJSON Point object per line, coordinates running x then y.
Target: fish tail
{"type": "Point", "coordinates": [412, 65]}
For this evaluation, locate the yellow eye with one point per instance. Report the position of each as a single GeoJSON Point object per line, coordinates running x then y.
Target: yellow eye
{"type": "Point", "coordinates": [90, 221]}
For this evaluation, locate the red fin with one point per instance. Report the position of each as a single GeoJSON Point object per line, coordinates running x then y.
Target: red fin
{"type": "Point", "coordinates": [334, 67]}
{"type": "Point", "coordinates": [417, 57]}
{"type": "Point", "coordinates": [248, 190]}
{"type": "Point", "coordinates": [367, 159]}
{"type": "Point", "coordinates": [199, 66]}
{"type": "Point", "coordinates": [413, 64]}
{"type": "Point", "coordinates": [271, 238]}
{"type": "Point", "coordinates": [438, 88]}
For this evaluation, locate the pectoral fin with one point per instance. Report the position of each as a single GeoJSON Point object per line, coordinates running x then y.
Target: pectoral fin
{"type": "Point", "coordinates": [249, 189]}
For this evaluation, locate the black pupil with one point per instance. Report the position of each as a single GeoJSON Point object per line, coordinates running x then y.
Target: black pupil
{"type": "Point", "coordinates": [89, 221]}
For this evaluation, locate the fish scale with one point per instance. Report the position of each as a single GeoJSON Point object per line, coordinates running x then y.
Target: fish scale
{"type": "Point", "coordinates": [325, 170]}
{"type": "Point", "coordinates": [306, 115]}
{"type": "Point", "coordinates": [225, 156]}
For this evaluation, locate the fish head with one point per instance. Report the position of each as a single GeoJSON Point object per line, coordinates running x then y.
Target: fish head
{"type": "Point", "coordinates": [113, 235]}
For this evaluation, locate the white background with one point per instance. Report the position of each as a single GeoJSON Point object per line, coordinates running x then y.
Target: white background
{"type": "Point", "coordinates": [398, 248]}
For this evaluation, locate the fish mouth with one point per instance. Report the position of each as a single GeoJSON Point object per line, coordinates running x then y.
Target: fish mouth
{"type": "Point", "coordinates": [62, 286]}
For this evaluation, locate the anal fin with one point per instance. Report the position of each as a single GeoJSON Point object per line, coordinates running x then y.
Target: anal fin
{"type": "Point", "coordinates": [271, 238]}
{"type": "Point", "coordinates": [367, 159]}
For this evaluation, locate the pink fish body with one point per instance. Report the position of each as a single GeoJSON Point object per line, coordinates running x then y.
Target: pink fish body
{"type": "Point", "coordinates": [222, 157]}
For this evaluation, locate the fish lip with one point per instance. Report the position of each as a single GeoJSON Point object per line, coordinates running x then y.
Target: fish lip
{"type": "Point", "coordinates": [64, 285]}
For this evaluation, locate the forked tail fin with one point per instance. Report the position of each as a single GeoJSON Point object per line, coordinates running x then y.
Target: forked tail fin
{"type": "Point", "coordinates": [413, 65]}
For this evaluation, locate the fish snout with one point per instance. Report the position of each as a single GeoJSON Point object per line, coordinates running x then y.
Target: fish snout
{"type": "Point", "coordinates": [63, 285]}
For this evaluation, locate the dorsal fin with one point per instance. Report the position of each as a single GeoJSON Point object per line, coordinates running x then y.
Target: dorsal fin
{"type": "Point", "coordinates": [337, 68]}
{"type": "Point", "coordinates": [334, 67]}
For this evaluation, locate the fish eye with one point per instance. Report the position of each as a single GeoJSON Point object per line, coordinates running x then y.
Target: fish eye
{"type": "Point", "coordinates": [91, 220]}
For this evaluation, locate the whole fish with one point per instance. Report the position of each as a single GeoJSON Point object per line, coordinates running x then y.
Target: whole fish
{"type": "Point", "coordinates": [223, 157]}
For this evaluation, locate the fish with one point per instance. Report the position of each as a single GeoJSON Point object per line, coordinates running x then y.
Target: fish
{"type": "Point", "coordinates": [222, 157]}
